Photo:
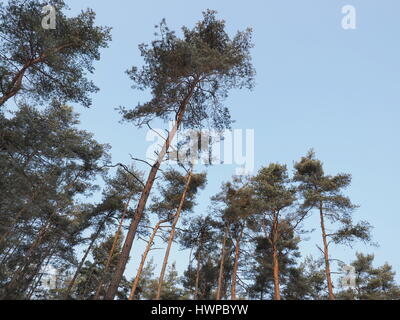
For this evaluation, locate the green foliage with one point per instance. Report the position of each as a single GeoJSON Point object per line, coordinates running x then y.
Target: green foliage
{"type": "Point", "coordinates": [208, 277]}
{"type": "Point", "coordinates": [49, 169]}
{"type": "Point", "coordinates": [324, 193]}
{"type": "Point", "coordinates": [200, 237]}
{"type": "Point", "coordinates": [170, 290]}
{"type": "Point", "coordinates": [371, 283]}
{"type": "Point", "coordinates": [260, 268]}
{"type": "Point", "coordinates": [192, 74]}
{"type": "Point", "coordinates": [171, 191]}
{"type": "Point", "coordinates": [271, 188]}
{"type": "Point", "coordinates": [46, 164]}
{"type": "Point", "coordinates": [94, 271]}
{"type": "Point", "coordinates": [48, 64]}
{"type": "Point", "coordinates": [306, 281]}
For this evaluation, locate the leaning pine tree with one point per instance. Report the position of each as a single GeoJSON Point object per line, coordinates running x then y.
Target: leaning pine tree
{"type": "Point", "coordinates": [189, 77]}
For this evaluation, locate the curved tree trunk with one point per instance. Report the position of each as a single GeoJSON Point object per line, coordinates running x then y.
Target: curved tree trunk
{"type": "Point", "coordinates": [123, 260]}
{"type": "Point", "coordinates": [16, 83]}
{"type": "Point", "coordinates": [48, 255]}
{"type": "Point", "coordinates": [172, 235]}
{"type": "Point", "coordinates": [19, 214]}
{"type": "Point", "coordinates": [12, 285]}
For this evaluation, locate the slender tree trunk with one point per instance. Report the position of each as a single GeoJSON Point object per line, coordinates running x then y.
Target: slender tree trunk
{"type": "Point", "coordinates": [196, 288]}
{"type": "Point", "coordinates": [49, 255]}
{"type": "Point", "coordinates": [123, 260]}
{"type": "Point", "coordinates": [35, 286]}
{"type": "Point", "coordinates": [19, 214]}
{"type": "Point", "coordinates": [4, 237]}
{"type": "Point", "coordinates": [326, 255]}
{"type": "Point", "coordinates": [116, 238]}
{"type": "Point", "coordinates": [199, 260]}
{"type": "Point", "coordinates": [38, 241]}
{"type": "Point", "coordinates": [89, 248]}
{"type": "Point", "coordinates": [11, 286]}
{"type": "Point", "coordinates": [221, 266]}
{"type": "Point", "coordinates": [274, 242]}
{"type": "Point", "coordinates": [235, 266]}
{"type": "Point", "coordinates": [172, 234]}
{"type": "Point", "coordinates": [12, 249]}
{"type": "Point", "coordinates": [144, 257]}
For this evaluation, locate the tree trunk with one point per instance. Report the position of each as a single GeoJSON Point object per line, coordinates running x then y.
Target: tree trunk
{"type": "Point", "coordinates": [199, 260]}
{"type": "Point", "coordinates": [172, 234]}
{"type": "Point", "coordinates": [116, 238]}
{"type": "Point", "coordinates": [235, 266]}
{"type": "Point", "coordinates": [221, 266]}
{"type": "Point", "coordinates": [89, 248]}
{"type": "Point", "coordinates": [12, 249]}
{"type": "Point", "coordinates": [11, 286]}
{"type": "Point", "coordinates": [123, 260]}
{"type": "Point", "coordinates": [19, 214]}
{"type": "Point", "coordinates": [196, 288]}
{"type": "Point", "coordinates": [277, 294]}
{"type": "Point", "coordinates": [49, 255]}
{"type": "Point", "coordinates": [16, 82]}
{"type": "Point", "coordinates": [38, 241]}
{"type": "Point", "coordinates": [144, 257]}
{"type": "Point", "coordinates": [326, 256]}
{"type": "Point", "coordinates": [4, 237]}
{"type": "Point", "coordinates": [275, 235]}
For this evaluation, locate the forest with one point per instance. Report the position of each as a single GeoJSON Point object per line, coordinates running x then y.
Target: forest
{"type": "Point", "coordinates": [59, 241]}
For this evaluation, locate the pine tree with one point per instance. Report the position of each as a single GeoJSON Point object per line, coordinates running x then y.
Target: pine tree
{"type": "Point", "coordinates": [306, 281]}
{"type": "Point", "coordinates": [48, 163]}
{"type": "Point", "coordinates": [94, 271]}
{"type": "Point", "coordinates": [148, 285]}
{"type": "Point", "coordinates": [119, 193]}
{"type": "Point", "coordinates": [188, 78]}
{"type": "Point", "coordinates": [261, 264]}
{"type": "Point", "coordinates": [324, 193]}
{"type": "Point", "coordinates": [371, 283]}
{"type": "Point", "coordinates": [236, 212]}
{"type": "Point", "coordinates": [277, 215]}
{"type": "Point", "coordinates": [199, 236]}
{"type": "Point", "coordinates": [176, 201]}
{"type": "Point", "coordinates": [47, 64]}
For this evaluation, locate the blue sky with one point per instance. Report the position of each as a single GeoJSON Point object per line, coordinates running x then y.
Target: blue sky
{"type": "Point", "coordinates": [318, 86]}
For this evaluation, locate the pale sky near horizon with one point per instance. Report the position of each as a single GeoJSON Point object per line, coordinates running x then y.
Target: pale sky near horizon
{"type": "Point", "coordinates": [318, 86]}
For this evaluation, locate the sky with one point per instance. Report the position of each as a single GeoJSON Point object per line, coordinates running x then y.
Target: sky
{"type": "Point", "coordinates": [317, 86]}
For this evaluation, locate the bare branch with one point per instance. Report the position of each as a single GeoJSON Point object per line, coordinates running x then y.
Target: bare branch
{"type": "Point", "coordinates": [128, 171]}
